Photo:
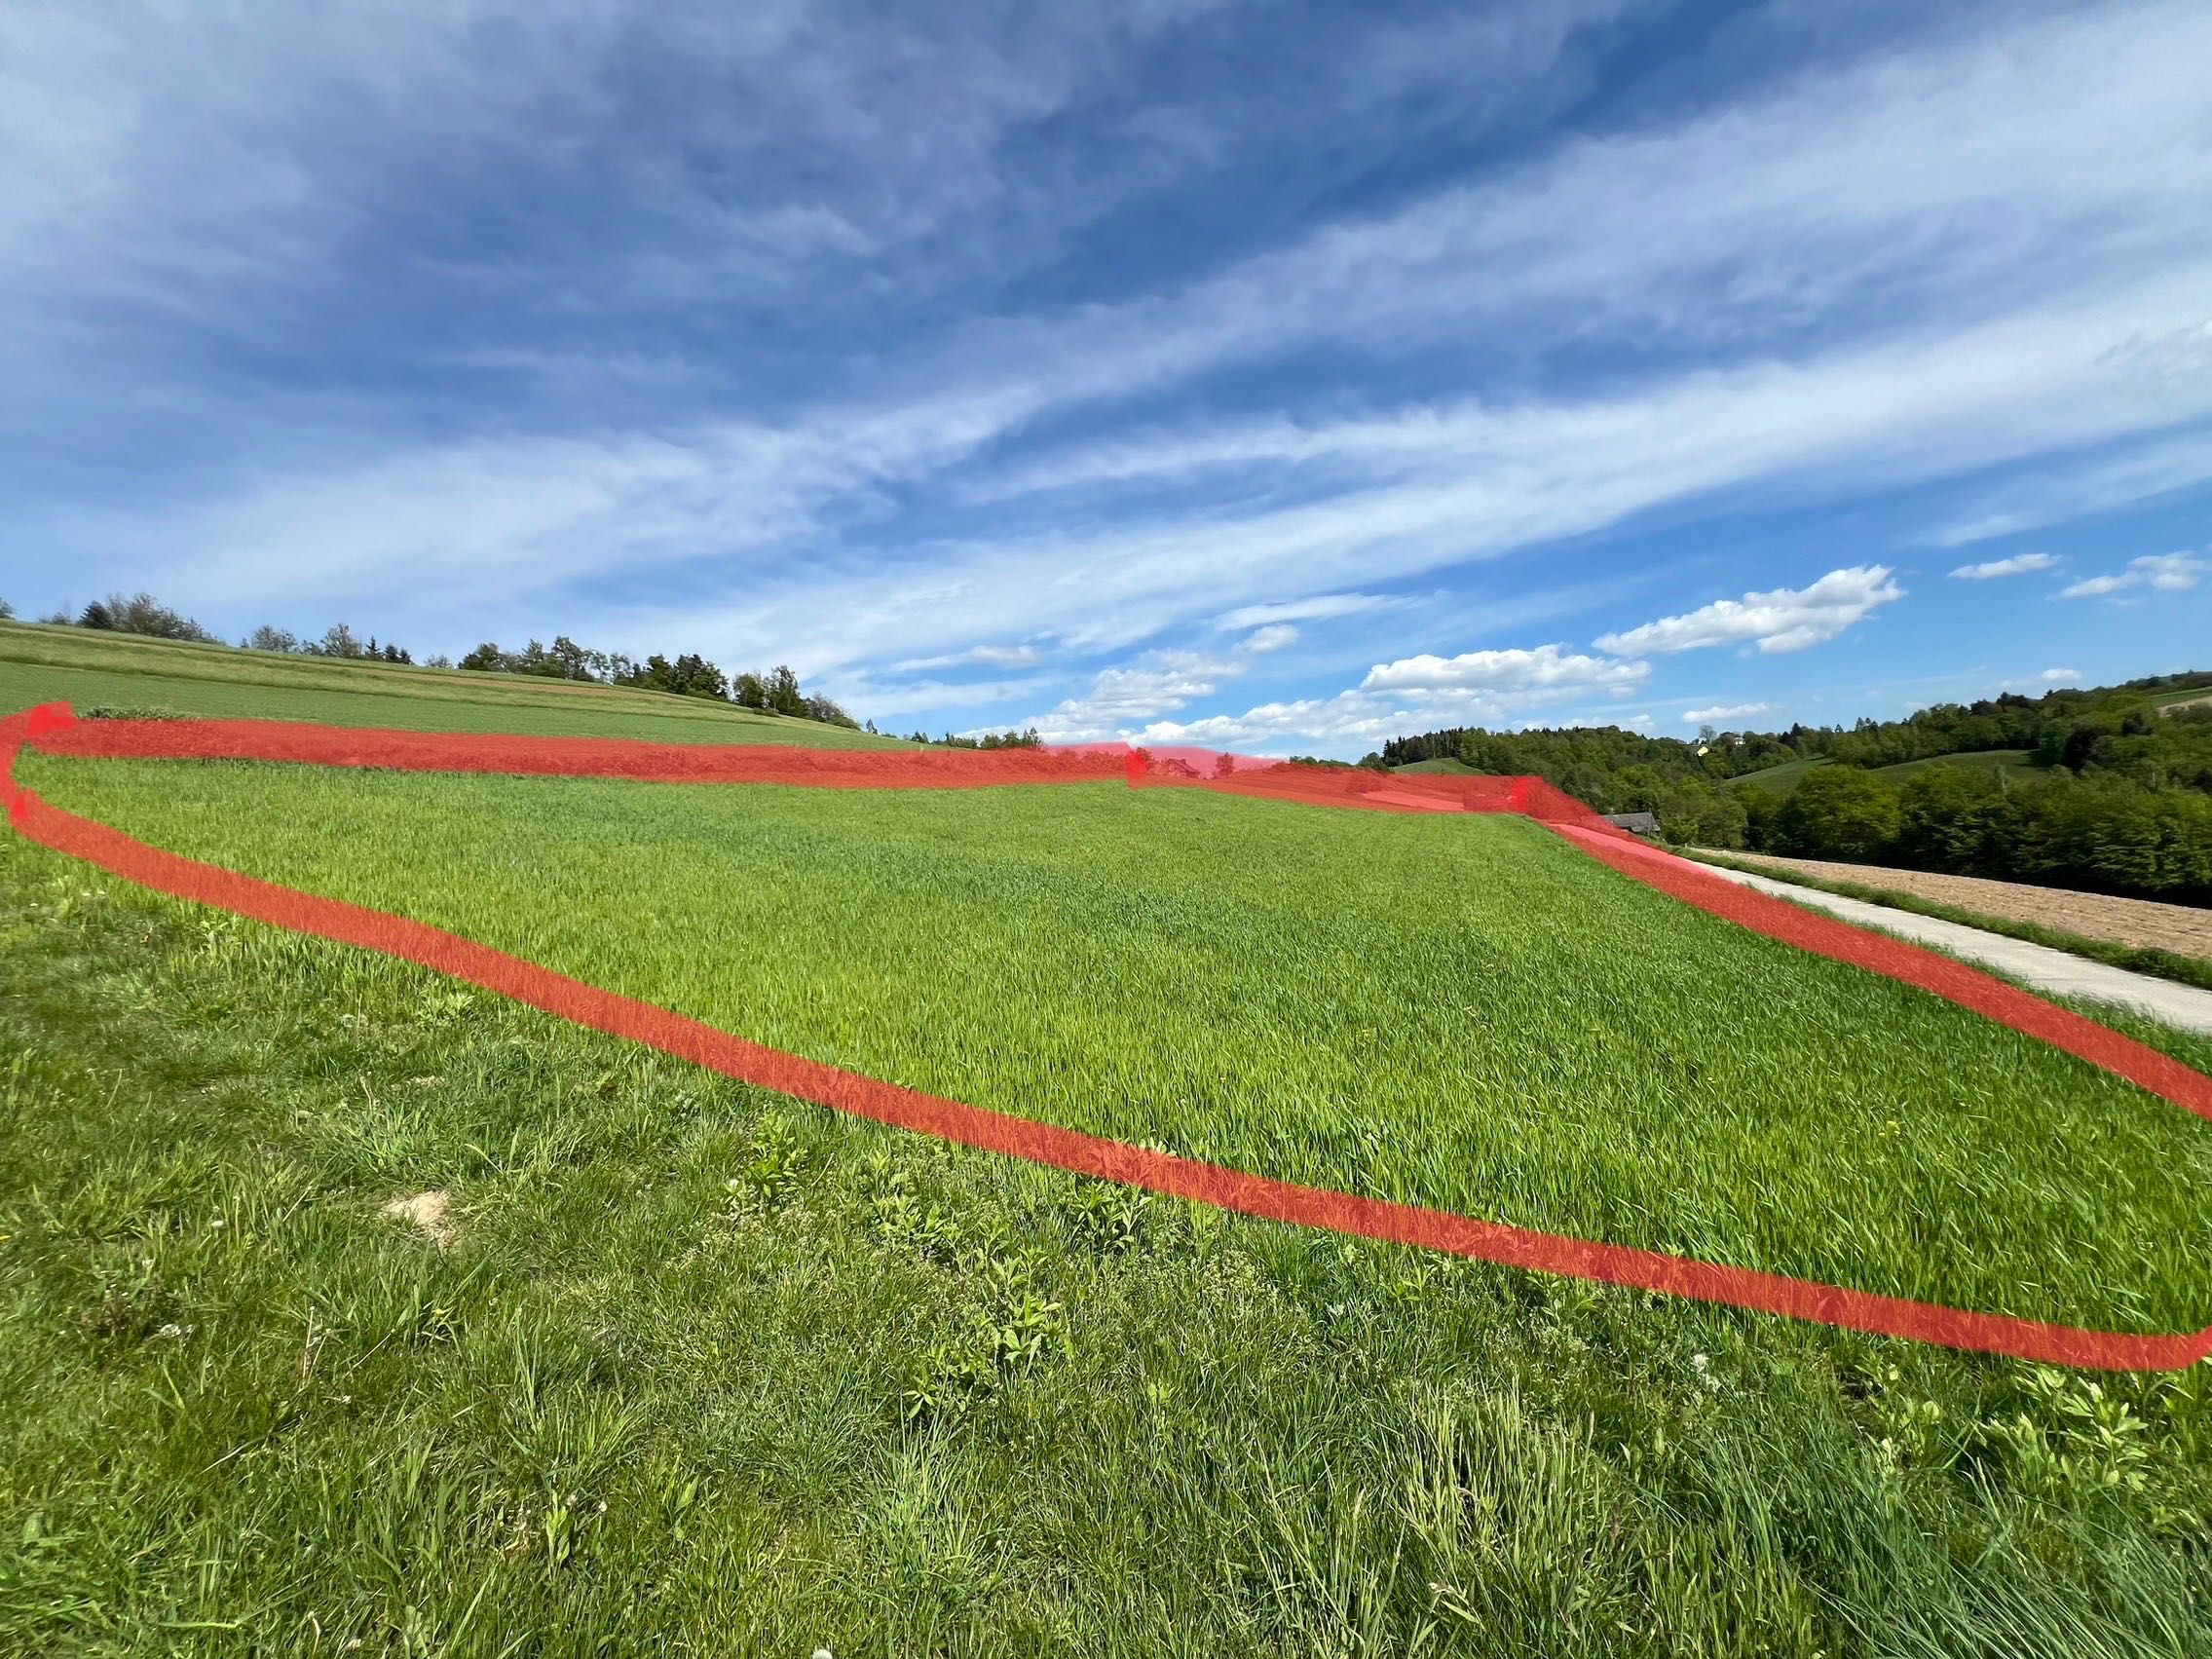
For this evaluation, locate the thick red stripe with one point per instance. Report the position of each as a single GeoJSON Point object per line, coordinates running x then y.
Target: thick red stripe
{"type": "Point", "coordinates": [1088, 1154]}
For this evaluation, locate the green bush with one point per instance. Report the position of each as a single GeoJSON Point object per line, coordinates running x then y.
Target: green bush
{"type": "Point", "coordinates": [1840, 811]}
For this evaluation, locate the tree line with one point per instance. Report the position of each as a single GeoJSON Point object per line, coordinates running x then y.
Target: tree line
{"type": "Point", "coordinates": [1026, 738]}
{"type": "Point", "coordinates": [2109, 789]}
{"type": "Point", "coordinates": [776, 692]}
{"type": "Point", "coordinates": [2095, 830]}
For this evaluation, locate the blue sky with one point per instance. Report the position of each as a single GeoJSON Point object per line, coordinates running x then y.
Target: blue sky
{"type": "Point", "coordinates": [1271, 377]}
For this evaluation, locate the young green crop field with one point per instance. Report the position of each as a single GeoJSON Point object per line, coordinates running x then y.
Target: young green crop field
{"type": "Point", "coordinates": [92, 669]}
{"type": "Point", "coordinates": [696, 1369]}
{"type": "Point", "coordinates": [1537, 1041]}
{"type": "Point", "coordinates": [2010, 764]}
{"type": "Point", "coordinates": [2007, 763]}
{"type": "Point", "coordinates": [1784, 779]}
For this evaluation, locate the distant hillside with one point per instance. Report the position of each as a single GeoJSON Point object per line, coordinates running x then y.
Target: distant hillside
{"type": "Point", "coordinates": [1784, 780]}
{"type": "Point", "coordinates": [91, 668]}
{"type": "Point", "coordinates": [2107, 788]}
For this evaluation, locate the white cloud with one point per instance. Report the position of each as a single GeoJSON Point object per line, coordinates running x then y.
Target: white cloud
{"type": "Point", "coordinates": [1724, 711]}
{"type": "Point", "coordinates": [1321, 607]}
{"type": "Point", "coordinates": [2058, 492]}
{"type": "Point", "coordinates": [1484, 687]}
{"type": "Point", "coordinates": [1546, 667]}
{"type": "Point", "coordinates": [893, 700]}
{"type": "Point", "coordinates": [1119, 697]}
{"type": "Point", "coordinates": [1971, 172]}
{"type": "Point", "coordinates": [2035, 245]}
{"type": "Point", "coordinates": [985, 655]}
{"type": "Point", "coordinates": [1782, 619]}
{"type": "Point", "coordinates": [2019, 564]}
{"type": "Point", "coordinates": [1492, 688]}
{"type": "Point", "coordinates": [1347, 718]}
{"type": "Point", "coordinates": [2162, 573]}
{"type": "Point", "coordinates": [2060, 676]}
{"type": "Point", "coordinates": [1158, 682]}
{"type": "Point", "coordinates": [2183, 350]}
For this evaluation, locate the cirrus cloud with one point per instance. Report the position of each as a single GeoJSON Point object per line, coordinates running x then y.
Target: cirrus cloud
{"type": "Point", "coordinates": [2163, 573]}
{"type": "Point", "coordinates": [2019, 564]}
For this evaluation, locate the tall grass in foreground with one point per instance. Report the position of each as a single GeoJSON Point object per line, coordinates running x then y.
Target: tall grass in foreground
{"type": "Point", "coordinates": [1461, 1013]}
{"type": "Point", "coordinates": [700, 1371]}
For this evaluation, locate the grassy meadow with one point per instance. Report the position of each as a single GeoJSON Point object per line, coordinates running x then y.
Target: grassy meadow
{"type": "Point", "coordinates": [2010, 764]}
{"type": "Point", "coordinates": [1538, 1040]}
{"type": "Point", "coordinates": [92, 669]}
{"type": "Point", "coordinates": [690, 1368]}
{"type": "Point", "coordinates": [1781, 779]}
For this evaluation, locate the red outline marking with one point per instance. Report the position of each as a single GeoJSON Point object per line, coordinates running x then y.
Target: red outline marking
{"type": "Point", "coordinates": [54, 729]}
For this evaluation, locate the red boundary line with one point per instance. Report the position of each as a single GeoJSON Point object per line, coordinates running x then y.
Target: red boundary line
{"type": "Point", "coordinates": [1079, 1154]}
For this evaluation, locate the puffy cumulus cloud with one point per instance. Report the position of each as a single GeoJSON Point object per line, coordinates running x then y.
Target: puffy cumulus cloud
{"type": "Point", "coordinates": [2162, 573]}
{"type": "Point", "coordinates": [1785, 619]}
{"type": "Point", "coordinates": [1351, 718]}
{"type": "Point", "coordinates": [2060, 676]}
{"type": "Point", "coordinates": [2019, 564]}
{"type": "Point", "coordinates": [1159, 682]}
{"type": "Point", "coordinates": [1724, 711]}
{"type": "Point", "coordinates": [1119, 697]}
{"type": "Point", "coordinates": [1545, 667]}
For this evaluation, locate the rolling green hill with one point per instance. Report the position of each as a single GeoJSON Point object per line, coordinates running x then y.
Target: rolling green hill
{"type": "Point", "coordinates": [2009, 763]}
{"type": "Point", "coordinates": [89, 668]}
{"type": "Point", "coordinates": [1780, 779]}
{"type": "Point", "coordinates": [1784, 780]}
{"type": "Point", "coordinates": [1446, 766]}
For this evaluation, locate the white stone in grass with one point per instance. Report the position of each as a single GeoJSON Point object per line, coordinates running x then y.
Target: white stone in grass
{"type": "Point", "coordinates": [426, 1213]}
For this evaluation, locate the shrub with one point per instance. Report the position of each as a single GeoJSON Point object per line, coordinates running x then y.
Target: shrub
{"type": "Point", "coordinates": [1839, 812]}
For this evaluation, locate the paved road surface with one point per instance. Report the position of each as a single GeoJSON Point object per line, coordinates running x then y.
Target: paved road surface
{"type": "Point", "coordinates": [2039, 965]}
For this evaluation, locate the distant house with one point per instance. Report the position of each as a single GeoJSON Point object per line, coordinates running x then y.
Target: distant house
{"type": "Point", "coordinates": [1635, 823]}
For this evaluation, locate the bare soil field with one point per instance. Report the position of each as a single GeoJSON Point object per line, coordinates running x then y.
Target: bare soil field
{"type": "Point", "coordinates": [2177, 928]}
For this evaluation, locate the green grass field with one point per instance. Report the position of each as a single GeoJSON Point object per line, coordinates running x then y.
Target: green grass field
{"type": "Point", "coordinates": [1445, 767]}
{"type": "Point", "coordinates": [2182, 698]}
{"type": "Point", "coordinates": [2011, 764]}
{"type": "Point", "coordinates": [1536, 1045]}
{"type": "Point", "coordinates": [700, 1369]}
{"type": "Point", "coordinates": [92, 669]}
{"type": "Point", "coordinates": [1781, 779]}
